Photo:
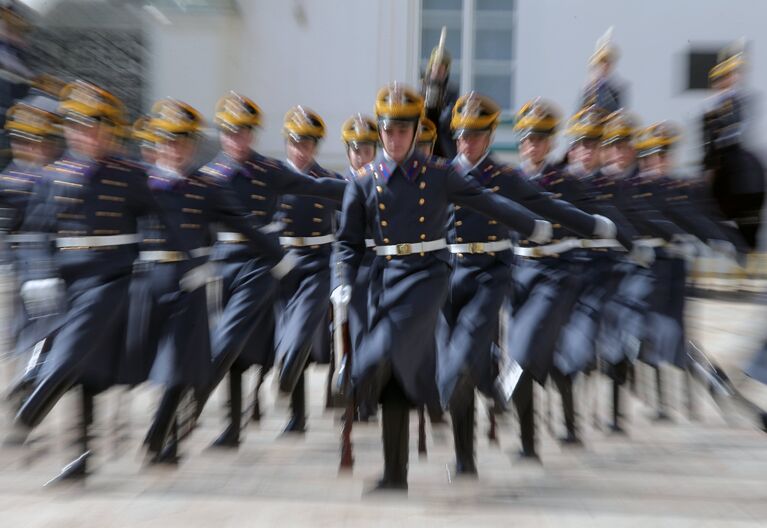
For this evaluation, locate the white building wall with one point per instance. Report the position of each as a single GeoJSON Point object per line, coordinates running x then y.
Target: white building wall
{"type": "Point", "coordinates": [556, 37]}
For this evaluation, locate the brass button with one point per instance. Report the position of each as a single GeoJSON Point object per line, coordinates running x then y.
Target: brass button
{"type": "Point", "coordinates": [423, 236]}
{"type": "Point", "coordinates": [388, 257]}
{"type": "Point", "coordinates": [492, 238]}
{"type": "Point", "coordinates": [421, 201]}
{"type": "Point", "coordinates": [422, 185]}
{"type": "Point", "coordinates": [379, 188]}
{"type": "Point", "coordinates": [422, 219]}
{"type": "Point", "coordinates": [492, 222]}
{"type": "Point", "coordinates": [382, 207]}
{"type": "Point", "coordinates": [384, 223]}
{"type": "Point", "coordinates": [386, 240]}
{"type": "Point", "coordinates": [459, 223]}
{"type": "Point", "coordinates": [459, 239]}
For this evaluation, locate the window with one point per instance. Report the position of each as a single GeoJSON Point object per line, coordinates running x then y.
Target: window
{"type": "Point", "coordinates": [699, 63]}
{"type": "Point", "coordinates": [480, 30]}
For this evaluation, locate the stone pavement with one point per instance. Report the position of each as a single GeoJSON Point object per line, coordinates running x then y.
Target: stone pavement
{"type": "Point", "coordinates": [706, 472]}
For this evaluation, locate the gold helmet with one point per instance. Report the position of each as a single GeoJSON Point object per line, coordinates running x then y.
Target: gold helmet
{"type": "Point", "coordinates": [398, 102]}
{"type": "Point", "coordinates": [27, 121]}
{"type": "Point", "coordinates": [731, 59]}
{"type": "Point", "coordinates": [537, 116]}
{"type": "Point", "coordinates": [474, 112]}
{"type": "Point", "coordinates": [48, 84]}
{"type": "Point", "coordinates": [235, 111]}
{"type": "Point", "coordinates": [82, 100]}
{"type": "Point", "coordinates": [619, 126]}
{"type": "Point", "coordinates": [359, 129]}
{"type": "Point", "coordinates": [171, 118]}
{"type": "Point", "coordinates": [587, 123]}
{"type": "Point", "coordinates": [301, 122]}
{"type": "Point", "coordinates": [657, 138]}
{"type": "Point", "coordinates": [427, 132]}
{"type": "Point", "coordinates": [604, 51]}
{"type": "Point", "coordinates": [143, 133]}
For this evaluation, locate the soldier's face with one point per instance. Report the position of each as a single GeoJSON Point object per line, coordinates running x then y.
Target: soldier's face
{"type": "Point", "coordinates": [535, 147]}
{"type": "Point", "coordinates": [149, 155]}
{"type": "Point", "coordinates": [473, 145]}
{"type": "Point", "coordinates": [177, 153]}
{"type": "Point", "coordinates": [237, 143]}
{"type": "Point", "coordinates": [360, 154]}
{"type": "Point", "coordinates": [92, 140]}
{"type": "Point", "coordinates": [587, 152]}
{"type": "Point", "coordinates": [397, 138]}
{"type": "Point", "coordinates": [426, 149]}
{"type": "Point", "coordinates": [658, 163]}
{"type": "Point", "coordinates": [619, 153]}
{"type": "Point", "coordinates": [301, 151]}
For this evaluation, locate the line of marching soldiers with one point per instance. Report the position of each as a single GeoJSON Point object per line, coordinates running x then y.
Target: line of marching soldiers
{"type": "Point", "coordinates": [116, 261]}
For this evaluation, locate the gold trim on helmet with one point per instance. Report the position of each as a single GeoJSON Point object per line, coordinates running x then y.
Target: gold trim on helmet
{"type": "Point", "coordinates": [142, 132]}
{"type": "Point", "coordinates": [439, 54]}
{"type": "Point", "coordinates": [537, 116]}
{"type": "Point", "coordinates": [659, 137]}
{"type": "Point", "coordinates": [427, 132]}
{"type": "Point", "coordinates": [173, 117]}
{"type": "Point", "coordinates": [359, 129]}
{"type": "Point", "coordinates": [726, 67]}
{"type": "Point", "coordinates": [88, 100]}
{"type": "Point", "coordinates": [301, 122]}
{"type": "Point", "coordinates": [235, 111]}
{"type": "Point", "coordinates": [617, 126]}
{"type": "Point", "coordinates": [398, 102]}
{"type": "Point", "coordinates": [49, 84]}
{"type": "Point", "coordinates": [475, 112]}
{"type": "Point", "coordinates": [32, 121]}
{"type": "Point", "coordinates": [587, 123]}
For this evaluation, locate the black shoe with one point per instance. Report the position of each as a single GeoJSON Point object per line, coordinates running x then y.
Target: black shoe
{"type": "Point", "coordinates": [661, 416]}
{"type": "Point", "coordinates": [295, 426]}
{"type": "Point", "coordinates": [571, 440]}
{"type": "Point", "coordinates": [764, 421]}
{"type": "Point", "coordinates": [387, 486]}
{"type": "Point", "coordinates": [229, 439]}
{"type": "Point", "coordinates": [167, 457]}
{"type": "Point", "coordinates": [75, 471]}
{"type": "Point", "coordinates": [616, 428]}
{"type": "Point", "coordinates": [463, 469]}
{"type": "Point", "coordinates": [528, 456]}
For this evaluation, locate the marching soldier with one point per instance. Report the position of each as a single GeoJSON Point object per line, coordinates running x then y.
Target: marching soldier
{"type": "Point", "coordinates": [310, 224]}
{"type": "Point", "coordinates": [169, 341]}
{"type": "Point", "coordinates": [427, 137]}
{"type": "Point", "coordinates": [482, 259]}
{"type": "Point", "coordinates": [439, 98]}
{"type": "Point", "coordinates": [603, 91]}
{"type": "Point", "coordinates": [90, 202]}
{"type": "Point", "coordinates": [736, 176]}
{"type": "Point", "coordinates": [403, 199]}
{"type": "Point", "coordinates": [243, 334]}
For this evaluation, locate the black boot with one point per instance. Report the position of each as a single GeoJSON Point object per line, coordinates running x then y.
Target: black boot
{"type": "Point", "coordinates": [164, 421]}
{"type": "Point", "coordinates": [77, 470]}
{"type": "Point", "coordinates": [297, 422]}
{"type": "Point", "coordinates": [256, 416]}
{"type": "Point", "coordinates": [615, 425]}
{"type": "Point", "coordinates": [462, 418]}
{"type": "Point", "coordinates": [395, 421]}
{"type": "Point", "coordinates": [564, 384]}
{"type": "Point", "coordinates": [661, 415]}
{"type": "Point", "coordinates": [523, 401]}
{"type": "Point", "coordinates": [230, 438]}
{"type": "Point", "coordinates": [168, 455]}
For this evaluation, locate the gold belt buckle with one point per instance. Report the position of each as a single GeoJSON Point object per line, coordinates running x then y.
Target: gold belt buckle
{"type": "Point", "coordinates": [404, 249]}
{"type": "Point", "coordinates": [298, 241]}
{"type": "Point", "coordinates": [537, 252]}
{"type": "Point", "coordinates": [476, 247]}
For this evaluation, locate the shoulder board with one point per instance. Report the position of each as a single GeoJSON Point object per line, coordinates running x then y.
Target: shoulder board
{"type": "Point", "coordinates": [437, 162]}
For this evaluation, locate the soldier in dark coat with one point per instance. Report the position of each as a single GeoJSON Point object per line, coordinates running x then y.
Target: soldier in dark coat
{"type": "Point", "coordinates": [403, 200]}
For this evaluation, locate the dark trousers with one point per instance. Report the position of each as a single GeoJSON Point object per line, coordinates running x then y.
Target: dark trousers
{"type": "Point", "coordinates": [395, 421]}
{"type": "Point", "coordinates": [524, 403]}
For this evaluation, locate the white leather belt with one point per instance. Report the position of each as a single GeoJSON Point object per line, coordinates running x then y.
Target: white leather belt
{"type": "Point", "coordinates": [564, 246]}
{"type": "Point", "coordinates": [307, 241]}
{"type": "Point", "coordinates": [27, 238]}
{"type": "Point", "coordinates": [481, 247]}
{"type": "Point", "coordinates": [402, 250]}
{"type": "Point", "coordinates": [86, 242]}
{"type": "Point", "coordinates": [370, 243]}
{"type": "Point", "coordinates": [161, 256]}
{"type": "Point", "coordinates": [229, 237]}
{"type": "Point", "coordinates": [201, 252]}
{"type": "Point", "coordinates": [652, 242]}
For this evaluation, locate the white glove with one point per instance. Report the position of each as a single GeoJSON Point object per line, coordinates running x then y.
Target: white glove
{"type": "Point", "coordinates": [641, 255]}
{"type": "Point", "coordinates": [604, 227]}
{"type": "Point", "coordinates": [197, 277]}
{"type": "Point", "coordinates": [723, 248]}
{"type": "Point", "coordinates": [42, 296]}
{"type": "Point", "coordinates": [542, 232]}
{"type": "Point", "coordinates": [341, 296]}
{"type": "Point", "coordinates": [284, 266]}
{"type": "Point", "coordinates": [684, 246]}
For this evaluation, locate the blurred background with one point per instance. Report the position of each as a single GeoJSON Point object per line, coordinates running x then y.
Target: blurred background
{"type": "Point", "coordinates": [333, 55]}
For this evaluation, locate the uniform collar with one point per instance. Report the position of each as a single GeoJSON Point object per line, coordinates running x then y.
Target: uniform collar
{"type": "Point", "coordinates": [386, 167]}
{"type": "Point", "coordinates": [530, 172]}
{"type": "Point", "coordinates": [310, 171]}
